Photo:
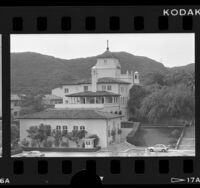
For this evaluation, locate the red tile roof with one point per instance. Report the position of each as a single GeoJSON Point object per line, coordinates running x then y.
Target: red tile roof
{"type": "Point", "coordinates": [107, 54]}
{"type": "Point", "coordinates": [93, 94]}
{"type": "Point", "coordinates": [70, 114]}
{"type": "Point", "coordinates": [108, 80]}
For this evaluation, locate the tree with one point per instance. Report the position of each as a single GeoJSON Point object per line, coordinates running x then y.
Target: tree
{"type": "Point", "coordinates": [32, 104]}
{"type": "Point", "coordinates": [169, 103]}
{"type": "Point", "coordinates": [14, 135]}
{"type": "Point", "coordinates": [57, 134]}
{"type": "Point", "coordinates": [137, 94]}
{"type": "Point", "coordinates": [181, 77]}
{"type": "Point", "coordinates": [155, 78]}
{"type": "Point", "coordinates": [38, 134]}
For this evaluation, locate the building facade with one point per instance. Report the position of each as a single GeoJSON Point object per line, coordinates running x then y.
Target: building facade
{"type": "Point", "coordinates": [107, 89]}
{"type": "Point", "coordinates": [95, 122]}
{"type": "Point", "coordinates": [15, 105]}
{"type": "Point", "coordinates": [97, 105]}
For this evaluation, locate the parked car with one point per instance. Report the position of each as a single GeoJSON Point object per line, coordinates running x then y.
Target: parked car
{"type": "Point", "coordinates": [33, 154]}
{"type": "Point", "coordinates": [158, 147]}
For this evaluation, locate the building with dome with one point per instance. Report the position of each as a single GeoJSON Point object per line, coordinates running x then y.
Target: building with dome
{"type": "Point", "coordinates": [97, 105]}
{"type": "Point", "coordinates": [106, 90]}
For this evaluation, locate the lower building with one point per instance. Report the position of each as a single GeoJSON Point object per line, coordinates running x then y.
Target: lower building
{"type": "Point", "coordinates": [51, 100]}
{"type": "Point", "coordinates": [103, 124]}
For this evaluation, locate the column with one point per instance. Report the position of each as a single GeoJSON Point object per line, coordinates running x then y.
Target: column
{"type": "Point", "coordinates": [104, 98]}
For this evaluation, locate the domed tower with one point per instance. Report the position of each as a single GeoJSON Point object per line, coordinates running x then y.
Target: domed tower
{"type": "Point", "coordinates": [108, 65]}
{"type": "Point", "coordinates": [136, 79]}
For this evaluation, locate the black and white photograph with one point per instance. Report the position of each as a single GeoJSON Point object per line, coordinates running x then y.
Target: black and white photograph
{"type": "Point", "coordinates": [102, 95]}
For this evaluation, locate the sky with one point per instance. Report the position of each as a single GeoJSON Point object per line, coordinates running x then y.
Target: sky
{"type": "Point", "coordinates": [170, 49]}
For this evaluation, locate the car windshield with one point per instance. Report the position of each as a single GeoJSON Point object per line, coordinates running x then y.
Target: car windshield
{"type": "Point", "coordinates": [158, 145]}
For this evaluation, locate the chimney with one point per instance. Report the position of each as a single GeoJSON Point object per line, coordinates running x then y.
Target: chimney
{"type": "Point", "coordinates": [94, 79]}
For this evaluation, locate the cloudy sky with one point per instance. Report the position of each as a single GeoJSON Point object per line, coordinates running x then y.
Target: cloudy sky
{"type": "Point", "coordinates": [170, 49]}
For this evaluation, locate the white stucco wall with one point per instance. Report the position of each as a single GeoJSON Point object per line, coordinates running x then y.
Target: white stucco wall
{"type": "Point", "coordinates": [98, 127]}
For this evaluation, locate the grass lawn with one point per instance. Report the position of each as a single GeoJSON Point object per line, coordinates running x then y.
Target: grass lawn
{"type": "Point", "coordinates": [149, 136]}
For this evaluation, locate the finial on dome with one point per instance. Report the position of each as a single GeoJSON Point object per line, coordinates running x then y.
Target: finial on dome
{"type": "Point", "coordinates": [107, 46]}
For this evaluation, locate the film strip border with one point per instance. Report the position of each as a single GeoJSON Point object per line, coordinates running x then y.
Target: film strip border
{"type": "Point", "coordinates": [98, 19]}
{"type": "Point", "coordinates": [114, 171]}
{"type": "Point", "coordinates": [45, 20]}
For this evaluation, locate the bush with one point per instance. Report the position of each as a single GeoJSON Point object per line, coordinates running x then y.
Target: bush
{"type": "Point", "coordinates": [64, 133]}
{"type": "Point", "coordinates": [56, 143]}
{"type": "Point", "coordinates": [173, 142]}
{"type": "Point", "coordinates": [175, 133]}
{"type": "Point", "coordinates": [65, 144]}
{"type": "Point", "coordinates": [25, 142]}
{"type": "Point", "coordinates": [33, 144]}
{"type": "Point", "coordinates": [47, 143]}
{"type": "Point", "coordinates": [119, 131]}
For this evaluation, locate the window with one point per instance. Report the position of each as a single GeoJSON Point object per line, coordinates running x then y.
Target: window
{"type": "Point", "coordinates": [75, 128]}
{"type": "Point", "coordinates": [15, 113]}
{"type": "Point", "coordinates": [66, 102]}
{"type": "Point", "coordinates": [85, 88]}
{"type": "Point", "coordinates": [82, 127]}
{"type": "Point", "coordinates": [109, 87]}
{"type": "Point", "coordinates": [103, 88]}
{"type": "Point", "coordinates": [87, 142]}
{"type": "Point", "coordinates": [58, 127]}
{"type": "Point", "coordinates": [64, 127]}
{"type": "Point", "coordinates": [136, 77]}
{"type": "Point", "coordinates": [105, 61]}
{"type": "Point", "coordinates": [66, 90]}
{"type": "Point", "coordinates": [122, 89]}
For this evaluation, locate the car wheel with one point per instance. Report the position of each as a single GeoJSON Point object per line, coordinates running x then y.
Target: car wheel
{"type": "Point", "coordinates": [163, 150]}
{"type": "Point", "coordinates": [151, 150]}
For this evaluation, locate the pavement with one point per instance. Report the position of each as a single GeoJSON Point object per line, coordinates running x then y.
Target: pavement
{"type": "Point", "coordinates": [132, 152]}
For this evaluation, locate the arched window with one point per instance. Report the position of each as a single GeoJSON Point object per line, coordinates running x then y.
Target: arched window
{"type": "Point", "coordinates": [120, 112]}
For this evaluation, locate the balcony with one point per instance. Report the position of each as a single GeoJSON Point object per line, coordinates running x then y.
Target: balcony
{"type": "Point", "coordinates": [99, 106]}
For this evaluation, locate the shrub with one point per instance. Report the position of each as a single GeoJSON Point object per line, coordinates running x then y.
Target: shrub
{"type": "Point", "coordinates": [25, 142]}
{"type": "Point", "coordinates": [81, 134]}
{"type": "Point", "coordinates": [56, 143]}
{"type": "Point", "coordinates": [119, 131]}
{"type": "Point", "coordinates": [47, 143]}
{"type": "Point", "coordinates": [173, 142]}
{"type": "Point", "coordinates": [33, 143]}
{"type": "Point", "coordinates": [65, 144]}
{"type": "Point", "coordinates": [64, 133]}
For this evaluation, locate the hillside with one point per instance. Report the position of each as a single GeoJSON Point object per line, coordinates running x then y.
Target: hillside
{"type": "Point", "coordinates": [40, 73]}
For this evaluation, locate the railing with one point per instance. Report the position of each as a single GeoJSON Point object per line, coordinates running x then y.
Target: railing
{"type": "Point", "coordinates": [86, 105]}
{"type": "Point", "coordinates": [79, 106]}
